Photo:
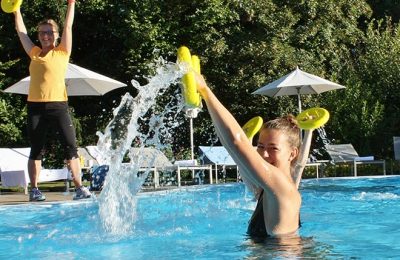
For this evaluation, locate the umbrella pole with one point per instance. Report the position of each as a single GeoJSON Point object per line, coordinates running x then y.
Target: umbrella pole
{"type": "Point", "coordinates": [191, 139]}
{"type": "Point", "coordinates": [299, 104]}
{"type": "Point", "coordinates": [299, 99]}
{"type": "Point", "coordinates": [192, 113]}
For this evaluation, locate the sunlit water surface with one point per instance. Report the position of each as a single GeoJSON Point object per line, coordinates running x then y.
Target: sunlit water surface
{"type": "Point", "coordinates": [342, 218]}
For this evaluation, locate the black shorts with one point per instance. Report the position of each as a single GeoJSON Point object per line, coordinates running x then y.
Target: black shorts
{"type": "Point", "coordinates": [45, 116]}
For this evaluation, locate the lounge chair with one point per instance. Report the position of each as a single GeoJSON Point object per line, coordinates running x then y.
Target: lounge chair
{"type": "Point", "coordinates": [14, 169]}
{"type": "Point", "coordinates": [87, 161]}
{"type": "Point", "coordinates": [345, 153]}
{"type": "Point", "coordinates": [219, 157]}
{"type": "Point", "coordinates": [156, 161]}
{"type": "Point", "coordinates": [153, 160]}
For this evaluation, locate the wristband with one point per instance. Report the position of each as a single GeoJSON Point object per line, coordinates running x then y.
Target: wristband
{"type": "Point", "coordinates": [71, 1]}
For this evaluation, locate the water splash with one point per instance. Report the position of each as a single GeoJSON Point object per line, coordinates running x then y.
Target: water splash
{"type": "Point", "coordinates": [323, 140]}
{"type": "Point", "coordinates": [376, 196]}
{"type": "Point", "coordinates": [117, 202]}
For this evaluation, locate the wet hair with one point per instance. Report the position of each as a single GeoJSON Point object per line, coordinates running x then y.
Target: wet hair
{"type": "Point", "coordinates": [288, 125]}
{"type": "Point", "coordinates": [49, 22]}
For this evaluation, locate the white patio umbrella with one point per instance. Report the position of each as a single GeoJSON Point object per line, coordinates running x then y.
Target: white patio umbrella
{"type": "Point", "coordinates": [297, 83]}
{"type": "Point", "coordinates": [79, 82]}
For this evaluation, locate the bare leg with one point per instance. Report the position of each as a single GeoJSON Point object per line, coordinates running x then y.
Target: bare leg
{"type": "Point", "coordinates": [34, 167]}
{"type": "Point", "coordinates": [75, 168]}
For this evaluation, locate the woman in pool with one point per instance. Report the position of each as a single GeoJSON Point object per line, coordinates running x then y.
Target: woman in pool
{"type": "Point", "coordinates": [47, 98]}
{"type": "Point", "coordinates": [272, 172]}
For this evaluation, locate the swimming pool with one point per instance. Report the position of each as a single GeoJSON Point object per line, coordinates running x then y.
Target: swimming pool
{"type": "Point", "coordinates": [342, 218]}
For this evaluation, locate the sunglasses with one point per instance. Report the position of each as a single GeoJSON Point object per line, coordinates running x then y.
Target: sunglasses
{"type": "Point", "coordinates": [49, 33]}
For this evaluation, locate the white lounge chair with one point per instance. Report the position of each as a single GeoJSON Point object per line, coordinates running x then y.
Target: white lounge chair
{"type": "Point", "coordinates": [151, 159]}
{"type": "Point", "coordinates": [219, 157]}
{"type": "Point", "coordinates": [88, 160]}
{"type": "Point", "coordinates": [14, 169]}
{"type": "Point", "coordinates": [345, 153]}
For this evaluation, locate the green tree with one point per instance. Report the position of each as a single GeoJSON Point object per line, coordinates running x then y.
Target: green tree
{"type": "Point", "coordinates": [12, 120]}
{"type": "Point", "coordinates": [242, 46]}
{"type": "Point", "coordinates": [374, 73]}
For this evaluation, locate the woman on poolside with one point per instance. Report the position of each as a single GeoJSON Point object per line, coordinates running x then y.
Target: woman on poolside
{"type": "Point", "coordinates": [272, 172]}
{"type": "Point", "coordinates": [47, 98]}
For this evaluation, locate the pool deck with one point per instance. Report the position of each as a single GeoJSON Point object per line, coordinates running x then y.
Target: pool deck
{"type": "Point", "coordinates": [16, 198]}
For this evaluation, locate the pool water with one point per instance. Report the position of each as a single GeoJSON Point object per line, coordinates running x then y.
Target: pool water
{"type": "Point", "coordinates": [341, 218]}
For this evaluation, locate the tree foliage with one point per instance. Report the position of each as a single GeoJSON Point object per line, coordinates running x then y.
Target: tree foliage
{"type": "Point", "coordinates": [242, 45]}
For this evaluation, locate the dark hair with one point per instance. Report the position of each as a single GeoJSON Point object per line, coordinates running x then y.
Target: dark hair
{"type": "Point", "coordinates": [287, 124]}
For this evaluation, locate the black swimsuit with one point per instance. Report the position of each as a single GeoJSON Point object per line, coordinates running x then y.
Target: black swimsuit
{"type": "Point", "coordinates": [256, 226]}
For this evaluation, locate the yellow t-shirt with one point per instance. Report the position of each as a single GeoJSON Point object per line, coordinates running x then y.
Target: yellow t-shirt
{"type": "Point", "coordinates": [47, 73]}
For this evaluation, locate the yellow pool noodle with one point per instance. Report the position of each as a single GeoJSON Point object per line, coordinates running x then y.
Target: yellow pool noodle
{"type": "Point", "coordinates": [190, 94]}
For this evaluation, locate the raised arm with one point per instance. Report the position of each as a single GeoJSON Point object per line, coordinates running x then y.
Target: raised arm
{"type": "Point", "coordinates": [66, 38]}
{"type": "Point", "coordinates": [26, 42]}
{"type": "Point", "coordinates": [250, 163]}
{"type": "Point", "coordinates": [303, 156]}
